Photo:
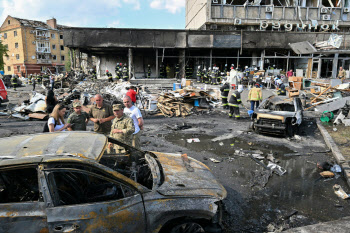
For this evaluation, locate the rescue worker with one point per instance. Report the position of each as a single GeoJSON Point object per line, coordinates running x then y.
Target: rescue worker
{"type": "Point", "coordinates": [149, 71]}
{"type": "Point", "coordinates": [162, 71]}
{"type": "Point", "coordinates": [213, 75]}
{"type": "Point", "coordinates": [341, 74]}
{"type": "Point", "coordinates": [199, 74]}
{"type": "Point", "coordinates": [225, 89]}
{"type": "Point", "coordinates": [254, 96]}
{"type": "Point", "coordinates": [78, 119]}
{"type": "Point", "coordinates": [188, 73]}
{"type": "Point", "coordinates": [117, 75]}
{"type": "Point", "coordinates": [30, 80]}
{"type": "Point", "coordinates": [204, 75]}
{"type": "Point", "coordinates": [221, 77]}
{"type": "Point", "coordinates": [125, 73]}
{"type": "Point", "coordinates": [282, 89]}
{"type": "Point", "coordinates": [208, 78]}
{"type": "Point", "coordinates": [34, 83]}
{"type": "Point", "coordinates": [122, 128]}
{"type": "Point", "coordinates": [167, 68]}
{"type": "Point", "coordinates": [177, 70]}
{"type": "Point", "coordinates": [234, 102]}
{"type": "Point", "coordinates": [225, 69]}
{"type": "Point", "coordinates": [14, 82]}
{"type": "Point", "coordinates": [109, 75]}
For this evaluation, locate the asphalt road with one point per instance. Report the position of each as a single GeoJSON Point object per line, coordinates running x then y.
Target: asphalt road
{"type": "Point", "coordinates": [256, 202]}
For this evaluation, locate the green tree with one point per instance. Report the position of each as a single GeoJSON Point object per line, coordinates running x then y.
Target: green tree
{"type": "Point", "coordinates": [3, 52]}
{"type": "Point", "coordinates": [68, 64]}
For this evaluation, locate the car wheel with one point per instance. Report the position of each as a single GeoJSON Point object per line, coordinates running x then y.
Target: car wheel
{"type": "Point", "coordinates": [187, 227]}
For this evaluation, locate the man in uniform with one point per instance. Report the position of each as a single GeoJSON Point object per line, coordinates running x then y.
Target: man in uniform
{"type": "Point", "coordinates": [14, 82]}
{"type": "Point", "coordinates": [341, 74]}
{"type": "Point", "coordinates": [78, 119]}
{"type": "Point", "coordinates": [149, 71]}
{"type": "Point", "coordinates": [110, 76]}
{"type": "Point", "coordinates": [122, 128]}
{"type": "Point", "coordinates": [234, 102]}
{"type": "Point", "coordinates": [208, 77]}
{"type": "Point", "coordinates": [135, 114]}
{"type": "Point", "coordinates": [125, 73]}
{"type": "Point", "coordinates": [199, 74]}
{"type": "Point", "coordinates": [102, 115]}
{"type": "Point", "coordinates": [204, 74]}
{"type": "Point", "coordinates": [177, 71]}
{"type": "Point", "coordinates": [225, 89]}
{"type": "Point", "coordinates": [117, 76]}
{"type": "Point", "coordinates": [254, 96]}
{"type": "Point", "coordinates": [167, 68]}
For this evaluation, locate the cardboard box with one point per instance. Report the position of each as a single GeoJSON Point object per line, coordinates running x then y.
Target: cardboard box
{"type": "Point", "coordinates": [298, 85]}
{"type": "Point", "coordinates": [188, 83]}
{"type": "Point", "coordinates": [292, 79]}
{"type": "Point", "coordinates": [293, 93]}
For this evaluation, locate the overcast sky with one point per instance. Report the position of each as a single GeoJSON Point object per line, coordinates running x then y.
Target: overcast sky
{"type": "Point", "coordinates": [163, 14]}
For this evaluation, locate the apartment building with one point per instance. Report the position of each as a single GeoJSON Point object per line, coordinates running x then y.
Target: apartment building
{"type": "Point", "coordinates": [33, 46]}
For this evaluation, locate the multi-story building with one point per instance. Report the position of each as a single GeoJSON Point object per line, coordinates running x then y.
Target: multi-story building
{"type": "Point", "coordinates": [33, 46]}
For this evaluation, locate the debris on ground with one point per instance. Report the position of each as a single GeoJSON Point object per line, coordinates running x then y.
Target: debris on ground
{"type": "Point", "coordinates": [338, 190]}
{"type": "Point", "coordinates": [276, 169]}
{"type": "Point", "coordinates": [327, 174]}
{"type": "Point", "coordinates": [183, 102]}
{"type": "Point", "coordinates": [214, 160]}
{"type": "Point", "coordinates": [190, 140]}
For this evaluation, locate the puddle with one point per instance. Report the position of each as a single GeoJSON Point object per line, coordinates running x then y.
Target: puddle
{"type": "Point", "coordinates": [300, 189]}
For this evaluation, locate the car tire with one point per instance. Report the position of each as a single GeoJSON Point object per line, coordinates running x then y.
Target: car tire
{"type": "Point", "coordinates": [187, 227]}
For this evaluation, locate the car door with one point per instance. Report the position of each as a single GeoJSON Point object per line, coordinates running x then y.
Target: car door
{"type": "Point", "coordinates": [84, 201]}
{"type": "Point", "coordinates": [22, 208]}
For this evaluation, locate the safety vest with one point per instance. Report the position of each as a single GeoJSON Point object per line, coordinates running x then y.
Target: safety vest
{"type": "Point", "coordinates": [255, 94]}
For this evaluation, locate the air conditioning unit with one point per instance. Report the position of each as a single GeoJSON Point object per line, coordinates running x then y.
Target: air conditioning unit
{"type": "Point", "coordinates": [324, 10]}
{"type": "Point", "coordinates": [238, 21]}
{"type": "Point", "coordinates": [213, 27]}
{"type": "Point", "coordinates": [33, 42]}
{"type": "Point", "coordinates": [32, 31]}
{"type": "Point", "coordinates": [326, 17]}
{"type": "Point", "coordinates": [215, 1]}
{"type": "Point", "coordinates": [346, 10]}
{"type": "Point", "coordinates": [269, 9]}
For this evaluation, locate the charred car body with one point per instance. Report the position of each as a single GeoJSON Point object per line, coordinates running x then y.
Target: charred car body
{"type": "Point", "coordinates": [67, 182]}
{"type": "Point", "coordinates": [278, 115]}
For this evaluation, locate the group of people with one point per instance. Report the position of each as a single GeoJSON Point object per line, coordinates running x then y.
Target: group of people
{"type": "Point", "coordinates": [231, 98]}
{"type": "Point", "coordinates": [122, 122]}
{"type": "Point", "coordinates": [121, 71]}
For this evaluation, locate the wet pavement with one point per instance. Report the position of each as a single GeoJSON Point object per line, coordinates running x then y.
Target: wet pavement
{"type": "Point", "coordinates": [257, 200]}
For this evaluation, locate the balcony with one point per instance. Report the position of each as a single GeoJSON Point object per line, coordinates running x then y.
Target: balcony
{"type": "Point", "coordinates": [43, 50]}
{"type": "Point", "coordinates": [43, 61]}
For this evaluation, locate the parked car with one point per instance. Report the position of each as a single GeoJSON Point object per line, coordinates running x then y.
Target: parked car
{"type": "Point", "coordinates": [278, 115]}
{"type": "Point", "coordinates": [3, 92]}
{"type": "Point", "coordinates": [68, 182]}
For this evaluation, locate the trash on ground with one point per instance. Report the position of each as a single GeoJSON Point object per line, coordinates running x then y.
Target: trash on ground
{"type": "Point", "coordinates": [190, 140]}
{"type": "Point", "coordinates": [214, 160]}
{"type": "Point", "coordinates": [336, 168]}
{"type": "Point", "coordinates": [258, 156]}
{"type": "Point", "coordinates": [221, 143]}
{"type": "Point", "coordinates": [327, 174]}
{"type": "Point", "coordinates": [276, 168]}
{"type": "Point", "coordinates": [338, 190]}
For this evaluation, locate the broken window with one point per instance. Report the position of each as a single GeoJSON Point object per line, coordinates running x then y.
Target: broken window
{"type": "Point", "coordinates": [53, 47]}
{"type": "Point", "coordinates": [331, 3]}
{"type": "Point", "coordinates": [54, 57]}
{"type": "Point", "coordinates": [62, 47]}
{"type": "Point", "coordinates": [61, 37]}
{"type": "Point", "coordinates": [5, 35]}
{"type": "Point", "coordinates": [72, 187]}
{"type": "Point", "coordinates": [17, 56]}
{"type": "Point", "coordinates": [19, 185]}
{"type": "Point", "coordinates": [14, 33]}
{"type": "Point", "coordinates": [53, 36]}
{"type": "Point", "coordinates": [18, 69]}
{"type": "Point", "coordinates": [9, 68]}
{"type": "Point", "coordinates": [16, 45]}
{"type": "Point", "coordinates": [43, 47]}
{"type": "Point", "coordinates": [62, 58]}
{"type": "Point", "coordinates": [9, 22]}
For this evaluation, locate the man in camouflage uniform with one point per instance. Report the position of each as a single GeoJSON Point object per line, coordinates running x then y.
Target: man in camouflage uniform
{"type": "Point", "coordinates": [122, 128]}
{"type": "Point", "coordinates": [78, 119]}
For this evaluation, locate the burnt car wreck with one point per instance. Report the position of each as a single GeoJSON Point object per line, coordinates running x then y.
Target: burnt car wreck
{"type": "Point", "coordinates": [278, 115]}
{"type": "Point", "coordinates": [67, 182]}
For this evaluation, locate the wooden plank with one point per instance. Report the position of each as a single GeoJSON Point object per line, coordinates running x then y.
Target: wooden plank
{"type": "Point", "coordinates": [40, 116]}
{"type": "Point", "coordinates": [314, 100]}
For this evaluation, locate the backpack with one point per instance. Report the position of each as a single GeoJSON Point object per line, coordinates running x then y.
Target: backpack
{"type": "Point", "coordinates": [46, 127]}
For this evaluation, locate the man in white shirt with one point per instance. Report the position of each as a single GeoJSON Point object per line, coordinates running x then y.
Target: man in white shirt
{"type": "Point", "coordinates": [135, 114]}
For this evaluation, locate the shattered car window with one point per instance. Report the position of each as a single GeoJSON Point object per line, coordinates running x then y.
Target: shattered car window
{"type": "Point", "coordinates": [75, 187]}
{"type": "Point", "coordinates": [275, 103]}
{"type": "Point", "coordinates": [19, 185]}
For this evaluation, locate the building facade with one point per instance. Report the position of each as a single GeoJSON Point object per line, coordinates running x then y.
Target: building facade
{"type": "Point", "coordinates": [33, 46]}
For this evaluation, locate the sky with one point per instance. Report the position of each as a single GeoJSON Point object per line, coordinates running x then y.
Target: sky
{"type": "Point", "coordinates": [157, 14]}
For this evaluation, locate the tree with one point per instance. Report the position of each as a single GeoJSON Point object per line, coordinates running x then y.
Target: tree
{"type": "Point", "coordinates": [3, 52]}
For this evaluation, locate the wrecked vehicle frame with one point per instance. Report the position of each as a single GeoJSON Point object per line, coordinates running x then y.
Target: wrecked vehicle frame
{"type": "Point", "coordinates": [278, 115]}
{"type": "Point", "coordinates": [66, 182]}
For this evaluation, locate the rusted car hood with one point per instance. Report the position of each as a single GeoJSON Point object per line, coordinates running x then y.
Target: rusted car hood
{"type": "Point", "coordinates": [194, 179]}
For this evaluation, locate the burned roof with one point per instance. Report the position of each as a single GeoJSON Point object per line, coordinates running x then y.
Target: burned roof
{"type": "Point", "coordinates": [37, 24]}
{"type": "Point", "coordinates": [86, 145]}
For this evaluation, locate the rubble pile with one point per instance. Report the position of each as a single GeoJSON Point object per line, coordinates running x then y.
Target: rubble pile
{"type": "Point", "coordinates": [35, 107]}
{"type": "Point", "coordinates": [181, 103]}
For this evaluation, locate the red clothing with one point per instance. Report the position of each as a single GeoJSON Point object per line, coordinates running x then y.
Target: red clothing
{"type": "Point", "coordinates": [289, 73]}
{"type": "Point", "coordinates": [132, 94]}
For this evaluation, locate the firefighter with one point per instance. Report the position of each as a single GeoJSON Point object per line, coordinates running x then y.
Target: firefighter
{"type": "Point", "coordinates": [14, 82]}
{"type": "Point", "coordinates": [188, 72]}
{"type": "Point", "coordinates": [208, 76]}
{"type": "Point", "coordinates": [30, 82]}
{"type": "Point", "coordinates": [234, 102]}
{"type": "Point", "coordinates": [204, 74]}
{"type": "Point", "coordinates": [162, 71]}
{"type": "Point", "coordinates": [125, 73]}
{"type": "Point", "coordinates": [177, 70]}
{"type": "Point", "coordinates": [117, 75]}
{"type": "Point", "coordinates": [225, 89]}
{"type": "Point", "coordinates": [149, 71]}
{"type": "Point", "coordinates": [282, 89]}
{"type": "Point", "coordinates": [221, 78]}
{"type": "Point", "coordinates": [199, 74]}
{"type": "Point", "coordinates": [167, 69]}
{"type": "Point", "coordinates": [110, 76]}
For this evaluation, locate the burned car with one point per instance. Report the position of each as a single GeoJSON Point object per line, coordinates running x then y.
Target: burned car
{"type": "Point", "coordinates": [278, 115]}
{"type": "Point", "coordinates": [69, 182]}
